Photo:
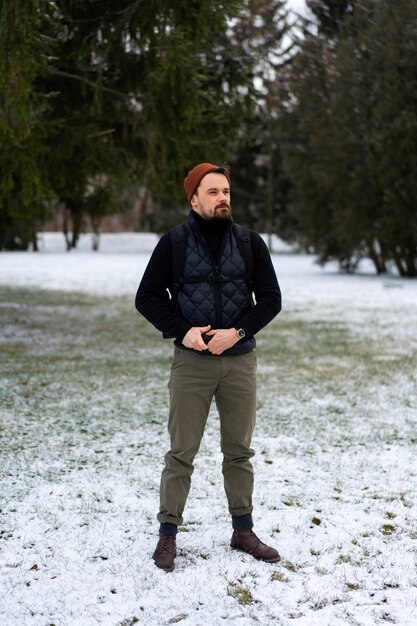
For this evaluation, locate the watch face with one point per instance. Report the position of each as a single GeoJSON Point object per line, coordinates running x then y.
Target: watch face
{"type": "Point", "coordinates": [240, 333]}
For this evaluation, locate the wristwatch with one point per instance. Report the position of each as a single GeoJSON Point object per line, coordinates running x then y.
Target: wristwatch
{"type": "Point", "coordinates": [240, 333]}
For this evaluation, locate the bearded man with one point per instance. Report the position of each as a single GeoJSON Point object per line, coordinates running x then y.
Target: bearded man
{"type": "Point", "coordinates": [210, 313]}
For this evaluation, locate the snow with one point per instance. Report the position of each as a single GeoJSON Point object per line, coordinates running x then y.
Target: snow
{"type": "Point", "coordinates": [335, 487]}
{"type": "Point", "coordinates": [311, 291]}
{"type": "Point", "coordinates": [297, 5]}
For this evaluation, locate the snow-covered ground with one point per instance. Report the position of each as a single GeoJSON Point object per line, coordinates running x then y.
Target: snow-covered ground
{"type": "Point", "coordinates": [309, 292]}
{"type": "Point", "coordinates": [83, 431]}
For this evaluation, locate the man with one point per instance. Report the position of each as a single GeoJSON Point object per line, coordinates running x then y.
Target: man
{"type": "Point", "coordinates": [213, 320]}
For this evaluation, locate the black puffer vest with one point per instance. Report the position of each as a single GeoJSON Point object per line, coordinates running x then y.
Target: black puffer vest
{"type": "Point", "coordinates": [215, 294]}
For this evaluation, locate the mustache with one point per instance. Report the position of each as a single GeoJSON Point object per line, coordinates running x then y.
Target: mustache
{"type": "Point", "coordinates": [222, 205]}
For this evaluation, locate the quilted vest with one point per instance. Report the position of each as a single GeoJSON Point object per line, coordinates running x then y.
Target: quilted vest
{"type": "Point", "coordinates": [215, 294]}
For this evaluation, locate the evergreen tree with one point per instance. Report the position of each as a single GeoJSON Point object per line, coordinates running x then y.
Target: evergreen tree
{"type": "Point", "coordinates": [142, 91]}
{"type": "Point", "coordinates": [393, 133]}
{"type": "Point", "coordinates": [349, 126]}
{"type": "Point", "coordinates": [330, 14]}
{"type": "Point", "coordinates": [261, 188]}
{"type": "Point", "coordinates": [25, 47]}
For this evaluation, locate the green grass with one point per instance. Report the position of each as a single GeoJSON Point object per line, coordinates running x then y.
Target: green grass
{"type": "Point", "coordinates": [279, 576]}
{"type": "Point", "coordinates": [64, 339]}
{"type": "Point", "coordinates": [73, 370]}
{"type": "Point", "coordinates": [241, 593]}
{"type": "Point", "coordinates": [79, 364]}
{"type": "Point", "coordinates": [327, 353]}
{"type": "Point", "coordinates": [74, 336]}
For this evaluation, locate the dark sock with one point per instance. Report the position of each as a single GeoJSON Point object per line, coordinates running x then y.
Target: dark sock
{"type": "Point", "coordinates": [168, 529]}
{"type": "Point", "coordinates": [242, 522]}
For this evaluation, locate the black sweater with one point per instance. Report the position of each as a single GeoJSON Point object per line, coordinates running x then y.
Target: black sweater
{"type": "Point", "coordinates": [153, 301]}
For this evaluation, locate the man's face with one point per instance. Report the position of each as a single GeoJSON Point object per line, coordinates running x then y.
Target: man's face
{"type": "Point", "coordinates": [212, 198]}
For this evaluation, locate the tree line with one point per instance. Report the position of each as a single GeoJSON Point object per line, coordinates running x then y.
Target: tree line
{"type": "Point", "coordinates": [102, 102]}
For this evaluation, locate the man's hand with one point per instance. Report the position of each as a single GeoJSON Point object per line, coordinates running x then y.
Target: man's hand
{"type": "Point", "coordinates": [193, 338]}
{"type": "Point", "coordinates": [223, 338]}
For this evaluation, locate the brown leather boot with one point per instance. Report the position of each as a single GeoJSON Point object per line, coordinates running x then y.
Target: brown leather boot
{"type": "Point", "coordinates": [247, 541]}
{"type": "Point", "coordinates": [165, 552]}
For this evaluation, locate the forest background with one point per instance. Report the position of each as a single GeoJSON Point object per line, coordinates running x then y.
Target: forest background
{"type": "Point", "coordinates": [104, 106]}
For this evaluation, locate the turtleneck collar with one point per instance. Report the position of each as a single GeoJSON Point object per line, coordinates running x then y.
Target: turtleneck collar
{"type": "Point", "coordinates": [210, 226]}
{"type": "Point", "coordinates": [211, 231]}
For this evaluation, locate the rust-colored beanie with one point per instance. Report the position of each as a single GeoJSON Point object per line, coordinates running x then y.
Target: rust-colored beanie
{"type": "Point", "coordinates": [196, 175]}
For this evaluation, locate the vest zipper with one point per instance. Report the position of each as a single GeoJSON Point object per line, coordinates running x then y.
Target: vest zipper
{"type": "Point", "coordinates": [218, 285]}
{"type": "Point", "coordinates": [217, 288]}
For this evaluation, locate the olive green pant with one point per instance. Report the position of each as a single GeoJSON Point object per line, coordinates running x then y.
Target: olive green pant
{"type": "Point", "coordinates": [195, 379]}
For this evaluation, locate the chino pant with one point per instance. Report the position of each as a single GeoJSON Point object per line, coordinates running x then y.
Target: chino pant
{"type": "Point", "coordinates": [195, 379]}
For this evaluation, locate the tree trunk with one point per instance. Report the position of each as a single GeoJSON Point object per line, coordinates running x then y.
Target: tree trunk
{"type": "Point", "coordinates": [399, 263]}
{"type": "Point", "coordinates": [95, 224]}
{"type": "Point", "coordinates": [65, 229]}
{"type": "Point", "coordinates": [411, 263]}
{"type": "Point", "coordinates": [270, 179]}
{"type": "Point", "coordinates": [35, 242]}
{"type": "Point", "coordinates": [377, 257]}
{"type": "Point", "coordinates": [76, 228]}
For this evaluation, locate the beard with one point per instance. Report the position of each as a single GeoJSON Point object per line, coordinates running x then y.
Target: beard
{"type": "Point", "coordinates": [222, 213]}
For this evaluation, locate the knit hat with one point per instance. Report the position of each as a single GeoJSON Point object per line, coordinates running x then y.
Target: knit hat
{"type": "Point", "coordinates": [196, 175]}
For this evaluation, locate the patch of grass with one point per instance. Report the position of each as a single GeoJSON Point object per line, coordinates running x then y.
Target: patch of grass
{"type": "Point", "coordinates": [177, 618]}
{"type": "Point", "coordinates": [241, 593]}
{"type": "Point", "coordinates": [279, 576]}
{"type": "Point", "coordinates": [12, 348]}
{"type": "Point", "coordinates": [309, 358]}
{"type": "Point", "coordinates": [73, 367]}
{"type": "Point", "coordinates": [291, 567]}
{"type": "Point", "coordinates": [405, 501]}
{"type": "Point", "coordinates": [347, 558]}
{"type": "Point", "coordinates": [129, 621]}
{"type": "Point", "coordinates": [318, 605]}
{"type": "Point", "coordinates": [391, 584]}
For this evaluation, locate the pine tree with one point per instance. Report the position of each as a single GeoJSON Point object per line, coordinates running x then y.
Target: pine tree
{"type": "Point", "coordinates": [330, 14]}
{"type": "Point", "coordinates": [261, 188]}
{"type": "Point", "coordinates": [141, 92]}
{"type": "Point", "coordinates": [25, 46]}
{"type": "Point", "coordinates": [349, 126]}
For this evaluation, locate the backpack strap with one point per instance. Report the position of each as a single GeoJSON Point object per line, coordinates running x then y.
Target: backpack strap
{"type": "Point", "coordinates": [244, 242]}
{"type": "Point", "coordinates": [178, 239]}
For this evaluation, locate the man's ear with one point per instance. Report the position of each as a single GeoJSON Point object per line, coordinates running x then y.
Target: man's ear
{"type": "Point", "coordinates": [193, 202]}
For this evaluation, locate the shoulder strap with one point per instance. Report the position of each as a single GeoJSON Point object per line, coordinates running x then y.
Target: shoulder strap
{"type": "Point", "coordinates": [244, 242]}
{"type": "Point", "coordinates": [178, 238]}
